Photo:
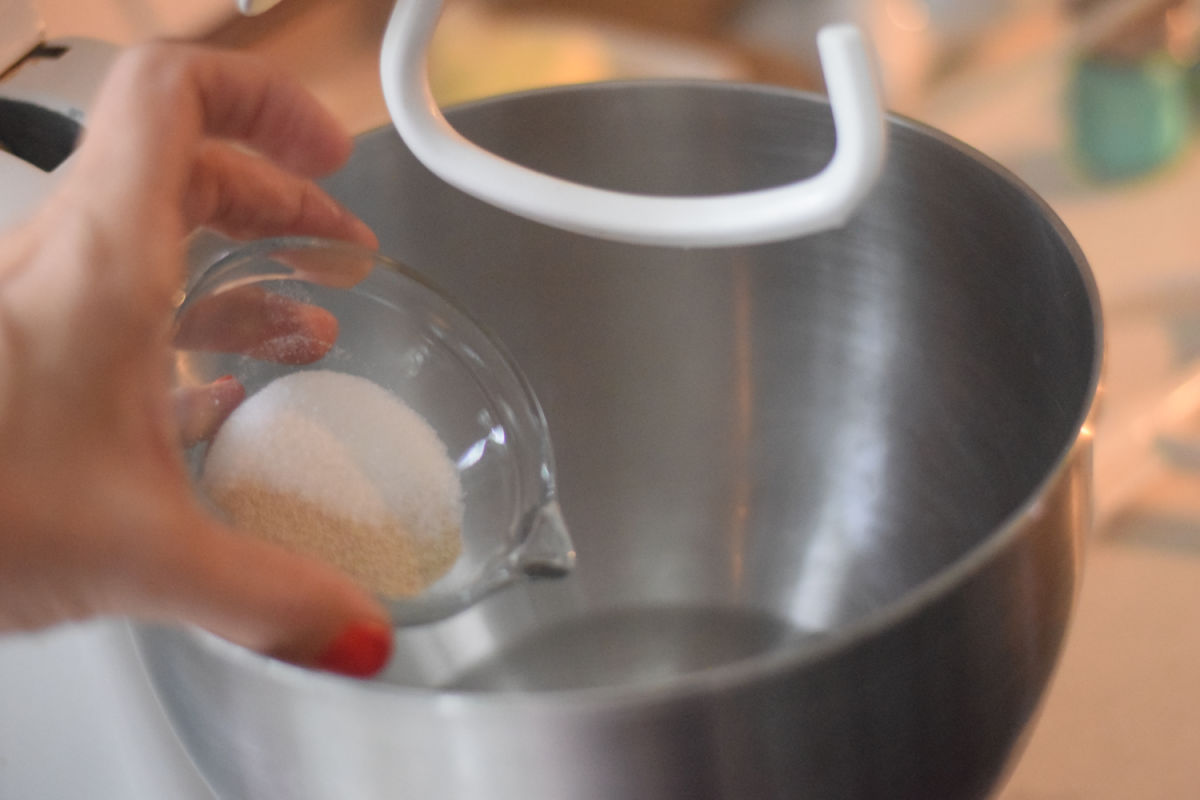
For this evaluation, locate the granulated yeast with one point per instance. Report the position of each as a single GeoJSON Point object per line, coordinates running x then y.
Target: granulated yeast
{"type": "Point", "coordinates": [335, 466]}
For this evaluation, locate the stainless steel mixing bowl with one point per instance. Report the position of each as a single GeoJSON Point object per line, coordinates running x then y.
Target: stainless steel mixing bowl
{"type": "Point", "coordinates": [828, 495]}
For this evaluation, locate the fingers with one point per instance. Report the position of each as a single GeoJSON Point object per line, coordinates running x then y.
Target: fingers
{"type": "Point", "coordinates": [160, 100]}
{"type": "Point", "coordinates": [332, 267]}
{"type": "Point", "coordinates": [259, 324]}
{"type": "Point", "coordinates": [246, 197]}
{"type": "Point", "coordinates": [161, 107]}
{"type": "Point", "coordinates": [200, 410]}
{"type": "Point", "coordinates": [244, 99]}
{"type": "Point", "coordinates": [269, 600]}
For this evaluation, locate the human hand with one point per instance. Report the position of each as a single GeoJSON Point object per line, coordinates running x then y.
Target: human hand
{"type": "Point", "coordinates": [96, 511]}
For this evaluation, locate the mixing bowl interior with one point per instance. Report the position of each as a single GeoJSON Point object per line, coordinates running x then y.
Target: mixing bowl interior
{"type": "Point", "coordinates": [828, 495]}
{"type": "Point", "coordinates": [760, 445]}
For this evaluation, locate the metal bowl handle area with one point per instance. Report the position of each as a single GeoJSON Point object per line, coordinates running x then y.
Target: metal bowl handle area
{"type": "Point", "coordinates": [823, 201]}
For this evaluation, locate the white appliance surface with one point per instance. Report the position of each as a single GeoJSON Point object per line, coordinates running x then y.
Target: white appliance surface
{"type": "Point", "coordinates": [78, 719]}
{"type": "Point", "coordinates": [63, 84]}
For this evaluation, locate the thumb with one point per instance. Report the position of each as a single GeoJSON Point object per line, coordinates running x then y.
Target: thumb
{"type": "Point", "coordinates": [288, 606]}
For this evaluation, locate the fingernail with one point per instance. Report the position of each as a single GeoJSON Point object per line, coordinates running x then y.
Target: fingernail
{"type": "Point", "coordinates": [223, 379]}
{"type": "Point", "coordinates": [360, 651]}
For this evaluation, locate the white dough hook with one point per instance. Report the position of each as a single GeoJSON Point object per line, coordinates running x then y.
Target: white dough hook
{"type": "Point", "coordinates": [825, 200]}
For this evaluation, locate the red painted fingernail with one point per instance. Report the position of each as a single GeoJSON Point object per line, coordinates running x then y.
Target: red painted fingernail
{"type": "Point", "coordinates": [223, 379]}
{"type": "Point", "coordinates": [360, 651]}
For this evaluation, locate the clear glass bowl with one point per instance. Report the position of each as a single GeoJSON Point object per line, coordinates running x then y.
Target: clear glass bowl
{"type": "Point", "coordinates": [242, 317]}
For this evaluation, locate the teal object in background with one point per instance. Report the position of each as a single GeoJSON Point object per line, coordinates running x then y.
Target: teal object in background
{"type": "Point", "coordinates": [1128, 118]}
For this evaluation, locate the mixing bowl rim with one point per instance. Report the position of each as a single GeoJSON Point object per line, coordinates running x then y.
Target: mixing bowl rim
{"type": "Point", "coordinates": [731, 676]}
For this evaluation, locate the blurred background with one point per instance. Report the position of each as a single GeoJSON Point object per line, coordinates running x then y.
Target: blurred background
{"type": "Point", "coordinates": [1094, 103]}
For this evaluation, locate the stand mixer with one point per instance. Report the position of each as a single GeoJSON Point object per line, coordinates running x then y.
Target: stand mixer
{"type": "Point", "coordinates": [43, 108]}
{"type": "Point", "coordinates": [876, 437]}
{"type": "Point", "coordinates": [827, 473]}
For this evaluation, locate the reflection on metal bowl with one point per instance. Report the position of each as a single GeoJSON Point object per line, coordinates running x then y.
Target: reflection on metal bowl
{"type": "Point", "coordinates": [828, 495]}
